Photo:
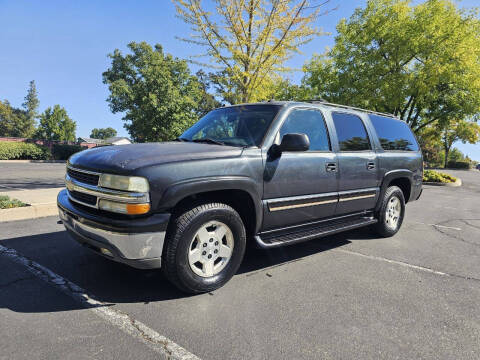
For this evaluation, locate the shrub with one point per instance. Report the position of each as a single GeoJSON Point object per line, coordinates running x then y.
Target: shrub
{"type": "Point", "coordinates": [458, 164]}
{"type": "Point", "coordinates": [23, 151]}
{"type": "Point", "coordinates": [7, 203]}
{"type": "Point", "coordinates": [63, 152]}
{"type": "Point", "coordinates": [435, 176]}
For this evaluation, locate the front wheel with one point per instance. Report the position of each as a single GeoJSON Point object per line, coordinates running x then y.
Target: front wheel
{"type": "Point", "coordinates": [391, 213]}
{"type": "Point", "coordinates": [204, 247]}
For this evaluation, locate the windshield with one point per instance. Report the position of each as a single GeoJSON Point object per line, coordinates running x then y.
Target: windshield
{"type": "Point", "coordinates": [236, 125]}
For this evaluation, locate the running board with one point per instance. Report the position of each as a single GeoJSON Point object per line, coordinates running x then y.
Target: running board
{"type": "Point", "coordinates": [267, 241]}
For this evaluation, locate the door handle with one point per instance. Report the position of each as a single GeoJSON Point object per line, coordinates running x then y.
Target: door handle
{"type": "Point", "coordinates": [370, 165]}
{"type": "Point", "coordinates": [331, 167]}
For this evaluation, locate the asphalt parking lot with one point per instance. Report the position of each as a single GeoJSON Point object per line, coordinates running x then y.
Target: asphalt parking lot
{"type": "Point", "coordinates": [349, 296]}
{"type": "Point", "coordinates": [19, 175]}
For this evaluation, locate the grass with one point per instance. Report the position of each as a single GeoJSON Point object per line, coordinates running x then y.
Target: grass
{"type": "Point", "coordinates": [7, 203]}
{"type": "Point", "coordinates": [435, 176]}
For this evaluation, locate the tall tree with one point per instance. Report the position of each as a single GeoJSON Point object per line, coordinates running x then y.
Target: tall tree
{"type": "Point", "coordinates": [249, 40]}
{"type": "Point", "coordinates": [103, 133]}
{"type": "Point", "coordinates": [12, 121]}
{"type": "Point", "coordinates": [419, 62]}
{"type": "Point", "coordinates": [458, 130]}
{"type": "Point", "coordinates": [207, 101]}
{"type": "Point", "coordinates": [55, 124]}
{"type": "Point", "coordinates": [156, 91]}
{"type": "Point", "coordinates": [31, 110]}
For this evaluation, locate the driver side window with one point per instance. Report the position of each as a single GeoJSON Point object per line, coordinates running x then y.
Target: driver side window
{"type": "Point", "coordinates": [309, 122]}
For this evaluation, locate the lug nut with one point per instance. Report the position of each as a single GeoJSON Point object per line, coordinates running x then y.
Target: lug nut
{"type": "Point", "coordinates": [204, 244]}
{"type": "Point", "coordinates": [216, 242]}
{"type": "Point", "coordinates": [210, 256]}
{"type": "Point", "coordinates": [215, 251]}
{"type": "Point", "coordinates": [211, 240]}
{"type": "Point", "coordinates": [204, 253]}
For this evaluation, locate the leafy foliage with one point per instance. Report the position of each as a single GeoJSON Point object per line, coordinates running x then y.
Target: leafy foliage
{"type": "Point", "coordinates": [23, 151]}
{"type": "Point", "coordinates": [418, 62]}
{"type": "Point", "coordinates": [55, 124]}
{"type": "Point", "coordinates": [458, 130]}
{"type": "Point", "coordinates": [251, 40]}
{"type": "Point", "coordinates": [435, 176]}
{"type": "Point", "coordinates": [31, 110]}
{"type": "Point", "coordinates": [8, 203]}
{"type": "Point", "coordinates": [103, 133]}
{"type": "Point", "coordinates": [64, 151]}
{"type": "Point", "coordinates": [156, 91]}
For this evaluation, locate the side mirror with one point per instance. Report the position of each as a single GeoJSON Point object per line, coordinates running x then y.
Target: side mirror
{"type": "Point", "coordinates": [294, 142]}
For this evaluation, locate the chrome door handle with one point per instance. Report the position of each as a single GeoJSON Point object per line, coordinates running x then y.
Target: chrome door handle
{"type": "Point", "coordinates": [370, 165]}
{"type": "Point", "coordinates": [331, 167]}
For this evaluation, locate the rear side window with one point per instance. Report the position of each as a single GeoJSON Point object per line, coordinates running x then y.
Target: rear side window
{"type": "Point", "coordinates": [394, 134]}
{"type": "Point", "coordinates": [311, 123]}
{"type": "Point", "coordinates": [351, 133]}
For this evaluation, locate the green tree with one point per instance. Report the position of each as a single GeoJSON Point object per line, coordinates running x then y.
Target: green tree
{"type": "Point", "coordinates": [250, 40]}
{"type": "Point", "coordinates": [458, 130]}
{"type": "Point", "coordinates": [55, 124]}
{"type": "Point", "coordinates": [207, 101]}
{"type": "Point", "coordinates": [12, 121]}
{"type": "Point", "coordinates": [157, 92]}
{"type": "Point", "coordinates": [103, 133]}
{"type": "Point", "coordinates": [418, 62]}
{"type": "Point", "coordinates": [31, 110]}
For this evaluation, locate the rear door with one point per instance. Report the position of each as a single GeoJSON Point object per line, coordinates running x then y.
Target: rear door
{"type": "Point", "coordinates": [301, 186]}
{"type": "Point", "coordinates": [358, 183]}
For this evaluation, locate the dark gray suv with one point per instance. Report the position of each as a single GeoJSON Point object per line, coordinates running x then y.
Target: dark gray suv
{"type": "Point", "coordinates": [273, 173]}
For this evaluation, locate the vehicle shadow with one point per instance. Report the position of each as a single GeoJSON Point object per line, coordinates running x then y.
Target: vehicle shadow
{"type": "Point", "coordinates": [112, 283]}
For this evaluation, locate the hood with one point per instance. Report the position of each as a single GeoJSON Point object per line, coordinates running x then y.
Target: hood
{"type": "Point", "coordinates": [124, 159]}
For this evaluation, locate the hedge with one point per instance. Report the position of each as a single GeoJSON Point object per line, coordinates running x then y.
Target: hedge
{"type": "Point", "coordinates": [435, 176]}
{"type": "Point", "coordinates": [458, 165]}
{"type": "Point", "coordinates": [63, 152]}
{"type": "Point", "coordinates": [23, 151]}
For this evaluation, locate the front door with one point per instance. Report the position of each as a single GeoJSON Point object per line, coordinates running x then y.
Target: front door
{"type": "Point", "coordinates": [301, 186]}
{"type": "Point", "coordinates": [358, 165]}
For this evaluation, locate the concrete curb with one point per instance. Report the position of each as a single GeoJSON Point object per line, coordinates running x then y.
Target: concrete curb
{"type": "Point", "coordinates": [28, 212]}
{"type": "Point", "coordinates": [34, 161]}
{"type": "Point", "coordinates": [455, 184]}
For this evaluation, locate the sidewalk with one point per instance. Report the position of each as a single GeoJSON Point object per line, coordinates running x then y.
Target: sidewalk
{"type": "Point", "coordinates": [42, 203]}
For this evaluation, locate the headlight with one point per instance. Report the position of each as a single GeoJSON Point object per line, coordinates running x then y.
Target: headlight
{"type": "Point", "coordinates": [127, 183]}
{"type": "Point", "coordinates": [124, 208]}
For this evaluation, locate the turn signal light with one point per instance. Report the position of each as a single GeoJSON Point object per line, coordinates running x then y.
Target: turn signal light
{"type": "Point", "coordinates": [124, 208]}
{"type": "Point", "coordinates": [137, 209]}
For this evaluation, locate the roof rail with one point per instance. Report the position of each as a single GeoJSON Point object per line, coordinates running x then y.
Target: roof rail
{"type": "Point", "coordinates": [326, 103]}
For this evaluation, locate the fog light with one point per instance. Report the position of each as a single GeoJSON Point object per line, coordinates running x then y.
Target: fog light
{"type": "Point", "coordinates": [124, 208]}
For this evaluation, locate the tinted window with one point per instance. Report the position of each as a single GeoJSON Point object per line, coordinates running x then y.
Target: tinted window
{"type": "Point", "coordinates": [309, 122]}
{"type": "Point", "coordinates": [351, 132]}
{"type": "Point", "coordinates": [235, 125]}
{"type": "Point", "coordinates": [393, 134]}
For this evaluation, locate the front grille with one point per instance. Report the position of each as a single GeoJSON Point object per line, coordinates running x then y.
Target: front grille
{"type": "Point", "coordinates": [83, 177]}
{"type": "Point", "coordinates": [84, 198]}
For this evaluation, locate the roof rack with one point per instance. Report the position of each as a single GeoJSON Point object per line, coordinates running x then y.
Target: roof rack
{"type": "Point", "coordinates": [326, 103]}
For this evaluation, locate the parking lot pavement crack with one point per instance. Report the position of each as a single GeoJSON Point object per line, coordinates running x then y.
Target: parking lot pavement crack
{"type": "Point", "coordinates": [412, 266]}
{"type": "Point", "coordinates": [454, 236]}
{"type": "Point", "coordinates": [166, 348]}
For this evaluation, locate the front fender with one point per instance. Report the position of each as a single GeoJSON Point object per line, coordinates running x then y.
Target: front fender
{"type": "Point", "coordinates": [180, 190]}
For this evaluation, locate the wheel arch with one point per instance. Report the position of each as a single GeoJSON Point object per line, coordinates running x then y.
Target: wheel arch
{"type": "Point", "coordinates": [401, 178]}
{"type": "Point", "coordinates": [239, 192]}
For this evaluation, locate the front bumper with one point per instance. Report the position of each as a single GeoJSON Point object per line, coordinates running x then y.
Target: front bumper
{"type": "Point", "coordinates": [135, 242]}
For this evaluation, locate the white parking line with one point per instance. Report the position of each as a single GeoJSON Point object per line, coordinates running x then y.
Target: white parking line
{"type": "Point", "coordinates": [165, 347]}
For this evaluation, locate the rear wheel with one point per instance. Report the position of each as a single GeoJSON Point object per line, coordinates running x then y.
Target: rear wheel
{"type": "Point", "coordinates": [204, 247]}
{"type": "Point", "coordinates": [391, 213]}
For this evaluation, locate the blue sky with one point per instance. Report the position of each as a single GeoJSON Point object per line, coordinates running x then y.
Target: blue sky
{"type": "Point", "coordinates": [63, 46]}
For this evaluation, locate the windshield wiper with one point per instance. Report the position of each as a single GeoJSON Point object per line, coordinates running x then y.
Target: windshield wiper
{"type": "Point", "coordinates": [208, 141]}
{"type": "Point", "coordinates": [181, 139]}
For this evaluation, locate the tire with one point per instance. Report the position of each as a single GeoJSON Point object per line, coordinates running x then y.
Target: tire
{"type": "Point", "coordinates": [194, 229]}
{"type": "Point", "coordinates": [387, 225]}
